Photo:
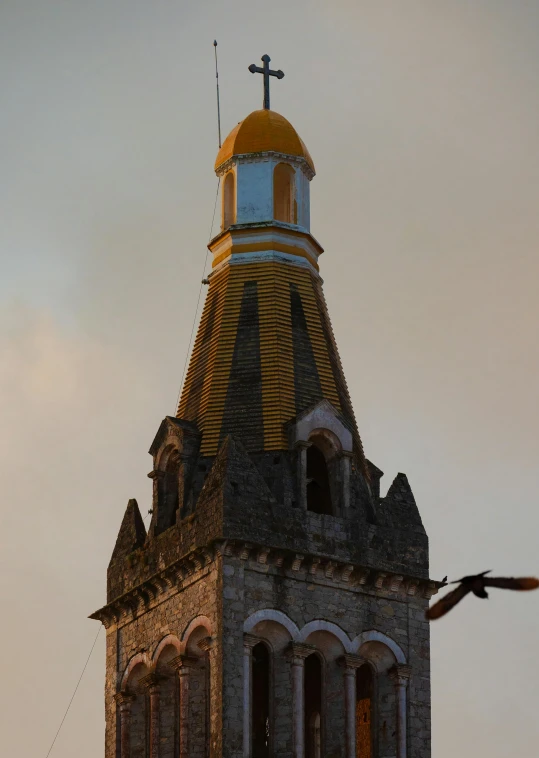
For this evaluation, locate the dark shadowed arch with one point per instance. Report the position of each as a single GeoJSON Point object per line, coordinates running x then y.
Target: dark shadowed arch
{"type": "Point", "coordinates": [261, 675]}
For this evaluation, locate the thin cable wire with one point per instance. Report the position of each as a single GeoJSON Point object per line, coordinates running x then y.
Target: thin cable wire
{"type": "Point", "coordinates": [74, 693]}
{"type": "Point", "coordinates": [218, 104]}
{"type": "Point", "coordinates": [198, 301]}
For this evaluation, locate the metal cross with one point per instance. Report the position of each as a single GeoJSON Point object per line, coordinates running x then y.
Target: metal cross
{"type": "Point", "coordinates": [267, 73]}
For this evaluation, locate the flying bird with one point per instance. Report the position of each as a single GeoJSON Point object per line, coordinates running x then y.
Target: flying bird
{"type": "Point", "coordinates": [477, 584]}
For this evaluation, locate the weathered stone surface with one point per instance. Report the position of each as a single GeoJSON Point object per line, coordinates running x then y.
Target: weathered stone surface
{"type": "Point", "coordinates": [236, 554]}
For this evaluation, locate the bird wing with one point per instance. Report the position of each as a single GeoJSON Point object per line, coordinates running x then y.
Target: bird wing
{"type": "Point", "coordinates": [471, 577]}
{"type": "Point", "coordinates": [447, 602]}
{"type": "Point", "coordinates": [512, 582]}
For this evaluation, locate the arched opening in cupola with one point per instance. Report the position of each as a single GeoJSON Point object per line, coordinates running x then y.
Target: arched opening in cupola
{"type": "Point", "coordinates": [229, 200]}
{"type": "Point", "coordinates": [318, 481]}
{"type": "Point", "coordinates": [261, 701]}
{"type": "Point", "coordinates": [284, 201]}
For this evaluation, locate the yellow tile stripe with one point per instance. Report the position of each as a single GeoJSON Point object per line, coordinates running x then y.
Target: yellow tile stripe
{"type": "Point", "coordinates": [200, 370]}
{"type": "Point", "coordinates": [276, 348]}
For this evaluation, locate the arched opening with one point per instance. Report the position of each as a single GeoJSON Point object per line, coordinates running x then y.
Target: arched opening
{"type": "Point", "coordinates": [261, 701]}
{"type": "Point", "coordinates": [198, 705]}
{"type": "Point", "coordinates": [284, 202]}
{"type": "Point", "coordinates": [318, 487]}
{"type": "Point", "coordinates": [276, 635]}
{"type": "Point", "coordinates": [329, 650]}
{"type": "Point", "coordinates": [138, 732]}
{"type": "Point", "coordinates": [381, 656]}
{"type": "Point", "coordinates": [364, 711]}
{"type": "Point", "coordinates": [229, 200]}
{"type": "Point", "coordinates": [168, 492]}
{"type": "Point", "coordinates": [313, 706]}
{"type": "Point", "coordinates": [169, 703]}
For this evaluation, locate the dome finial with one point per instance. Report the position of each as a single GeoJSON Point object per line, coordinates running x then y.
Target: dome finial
{"type": "Point", "coordinates": [267, 73]}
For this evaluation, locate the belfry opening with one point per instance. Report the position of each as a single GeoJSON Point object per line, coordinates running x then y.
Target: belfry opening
{"type": "Point", "coordinates": [261, 701]}
{"type": "Point", "coordinates": [364, 714]}
{"type": "Point", "coordinates": [313, 706]}
{"type": "Point", "coordinates": [273, 606]}
{"type": "Point", "coordinates": [318, 487]}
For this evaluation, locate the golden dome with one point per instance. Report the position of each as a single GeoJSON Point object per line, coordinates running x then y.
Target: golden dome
{"type": "Point", "coordinates": [263, 131]}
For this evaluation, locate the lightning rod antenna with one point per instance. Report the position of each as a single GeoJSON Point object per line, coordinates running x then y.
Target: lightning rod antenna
{"type": "Point", "coordinates": [218, 105]}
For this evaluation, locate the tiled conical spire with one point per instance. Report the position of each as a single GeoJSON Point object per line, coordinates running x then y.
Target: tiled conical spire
{"type": "Point", "coordinates": [265, 350]}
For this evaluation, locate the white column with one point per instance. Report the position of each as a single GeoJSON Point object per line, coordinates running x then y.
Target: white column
{"type": "Point", "coordinates": [298, 652]}
{"type": "Point", "coordinates": [301, 451]}
{"type": "Point", "coordinates": [401, 675]}
{"type": "Point", "coordinates": [249, 641]}
{"type": "Point", "coordinates": [350, 663]}
{"type": "Point", "coordinates": [346, 459]}
{"type": "Point", "coordinates": [350, 705]}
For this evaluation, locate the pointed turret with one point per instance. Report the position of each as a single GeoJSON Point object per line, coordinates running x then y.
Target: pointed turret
{"type": "Point", "coordinates": [132, 534]}
{"type": "Point", "coordinates": [401, 491]}
{"type": "Point", "coordinates": [399, 506]}
{"type": "Point", "coordinates": [234, 476]}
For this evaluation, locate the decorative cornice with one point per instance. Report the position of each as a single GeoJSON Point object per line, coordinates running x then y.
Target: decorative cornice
{"type": "Point", "coordinates": [262, 157]}
{"type": "Point", "coordinates": [325, 569]}
{"type": "Point", "coordinates": [140, 598]}
{"type": "Point", "coordinates": [236, 259]}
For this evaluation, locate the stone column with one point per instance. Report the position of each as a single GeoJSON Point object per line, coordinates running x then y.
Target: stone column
{"type": "Point", "coordinates": [298, 652]}
{"type": "Point", "coordinates": [249, 641]}
{"type": "Point", "coordinates": [400, 673]}
{"type": "Point", "coordinates": [350, 663]}
{"type": "Point", "coordinates": [156, 475]}
{"type": "Point", "coordinates": [151, 684]}
{"type": "Point", "coordinates": [183, 664]}
{"type": "Point", "coordinates": [207, 644]}
{"type": "Point", "coordinates": [301, 450]}
{"type": "Point", "coordinates": [125, 701]}
{"type": "Point", "coordinates": [346, 459]}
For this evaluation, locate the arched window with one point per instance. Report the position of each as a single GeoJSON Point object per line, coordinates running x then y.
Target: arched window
{"type": "Point", "coordinates": [313, 706]}
{"type": "Point", "coordinates": [169, 702]}
{"type": "Point", "coordinates": [284, 202]}
{"type": "Point", "coordinates": [138, 731]}
{"type": "Point", "coordinates": [168, 492]}
{"type": "Point", "coordinates": [261, 701]}
{"type": "Point", "coordinates": [229, 200]}
{"type": "Point", "coordinates": [318, 489]}
{"type": "Point", "coordinates": [364, 712]}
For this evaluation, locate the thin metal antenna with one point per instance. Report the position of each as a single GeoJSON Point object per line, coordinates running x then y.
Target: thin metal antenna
{"type": "Point", "coordinates": [218, 105]}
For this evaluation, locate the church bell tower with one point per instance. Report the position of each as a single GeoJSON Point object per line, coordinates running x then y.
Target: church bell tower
{"type": "Point", "coordinates": [275, 608]}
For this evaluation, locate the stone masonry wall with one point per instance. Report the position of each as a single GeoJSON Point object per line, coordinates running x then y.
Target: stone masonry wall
{"type": "Point", "coordinates": [251, 587]}
{"type": "Point", "coordinates": [142, 635]}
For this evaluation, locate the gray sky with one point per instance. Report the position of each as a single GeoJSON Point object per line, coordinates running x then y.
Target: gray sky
{"type": "Point", "coordinates": [422, 118]}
